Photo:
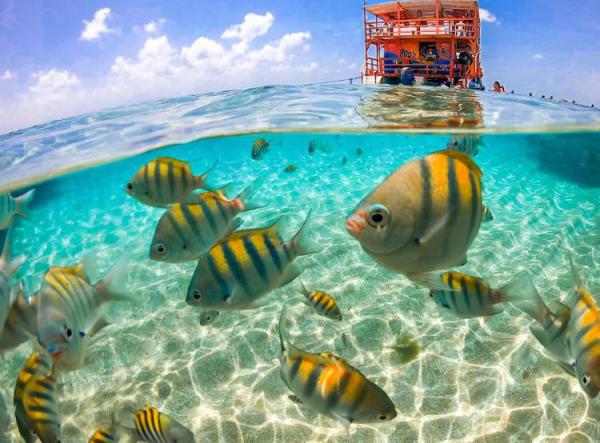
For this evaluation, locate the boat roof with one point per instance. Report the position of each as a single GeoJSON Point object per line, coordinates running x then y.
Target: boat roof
{"type": "Point", "coordinates": [390, 9]}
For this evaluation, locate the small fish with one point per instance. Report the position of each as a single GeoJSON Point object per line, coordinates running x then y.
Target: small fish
{"type": "Point", "coordinates": [359, 152]}
{"type": "Point", "coordinates": [294, 399]}
{"type": "Point", "coordinates": [552, 328]}
{"type": "Point", "coordinates": [12, 206]}
{"type": "Point", "coordinates": [21, 322]}
{"type": "Point", "coordinates": [466, 143]}
{"type": "Point", "coordinates": [260, 147]}
{"type": "Point", "coordinates": [345, 340]}
{"type": "Point", "coordinates": [41, 408]}
{"type": "Point", "coordinates": [37, 363]}
{"type": "Point", "coordinates": [165, 181]}
{"type": "Point", "coordinates": [69, 308]}
{"type": "Point", "coordinates": [152, 426]}
{"type": "Point", "coordinates": [290, 168]}
{"type": "Point", "coordinates": [104, 435]}
{"type": "Point", "coordinates": [312, 147]}
{"type": "Point", "coordinates": [243, 267]}
{"type": "Point", "coordinates": [424, 216]}
{"type": "Point", "coordinates": [323, 303]}
{"type": "Point", "coordinates": [330, 385]}
{"type": "Point", "coordinates": [187, 230]}
{"type": "Point", "coordinates": [8, 267]}
{"type": "Point", "coordinates": [207, 317]}
{"type": "Point", "coordinates": [487, 214]}
{"type": "Point", "coordinates": [316, 145]}
{"type": "Point", "coordinates": [407, 349]}
{"type": "Point", "coordinates": [584, 337]}
{"type": "Point", "coordinates": [344, 161]}
{"type": "Point", "coordinates": [465, 295]}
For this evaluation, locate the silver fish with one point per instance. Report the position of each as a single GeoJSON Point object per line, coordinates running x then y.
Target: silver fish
{"type": "Point", "coordinates": [12, 206]}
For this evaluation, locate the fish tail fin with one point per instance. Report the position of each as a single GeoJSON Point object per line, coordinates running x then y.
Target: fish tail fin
{"type": "Point", "coordinates": [200, 181]}
{"type": "Point", "coordinates": [23, 201]}
{"type": "Point", "coordinates": [522, 293]}
{"type": "Point", "coordinates": [123, 433]}
{"type": "Point", "coordinates": [222, 190]}
{"type": "Point", "coordinates": [298, 246]}
{"type": "Point", "coordinates": [284, 338]}
{"type": "Point", "coordinates": [242, 199]}
{"type": "Point", "coordinates": [112, 287]}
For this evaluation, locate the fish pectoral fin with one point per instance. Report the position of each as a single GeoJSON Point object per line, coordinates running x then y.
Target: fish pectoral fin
{"type": "Point", "coordinates": [100, 324]}
{"type": "Point", "coordinates": [345, 421]}
{"type": "Point", "coordinates": [540, 335]}
{"type": "Point", "coordinates": [568, 368]}
{"type": "Point", "coordinates": [431, 231]}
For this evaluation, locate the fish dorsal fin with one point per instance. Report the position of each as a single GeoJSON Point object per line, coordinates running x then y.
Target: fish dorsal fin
{"type": "Point", "coordinates": [172, 161]}
{"type": "Point", "coordinates": [330, 356]}
{"type": "Point", "coordinates": [272, 229]}
{"type": "Point", "coordinates": [463, 158]}
{"type": "Point", "coordinates": [581, 293]}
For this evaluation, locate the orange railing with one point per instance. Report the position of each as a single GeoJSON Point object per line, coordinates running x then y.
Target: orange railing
{"type": "Point", "coordinates": [391, 66]}
{"type": "Point", "coordinates": [457, 27]}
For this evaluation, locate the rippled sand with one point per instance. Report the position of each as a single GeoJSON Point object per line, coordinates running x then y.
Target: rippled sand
{"type": "Point", "coordinates": [474, 380]}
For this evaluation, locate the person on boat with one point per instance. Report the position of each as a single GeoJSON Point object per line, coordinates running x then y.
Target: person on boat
{"type": "Point", "coordinates": [498, 87]}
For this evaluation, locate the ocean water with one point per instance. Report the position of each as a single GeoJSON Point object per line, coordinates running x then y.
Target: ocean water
{"type": "Point", "coordinates": [473, 380]}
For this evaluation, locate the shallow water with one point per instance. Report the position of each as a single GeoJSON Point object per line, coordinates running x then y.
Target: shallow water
{"type": "Point", "coordinates": [473, 380]}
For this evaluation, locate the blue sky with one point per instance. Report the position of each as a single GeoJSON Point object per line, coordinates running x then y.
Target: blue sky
{"type": "Point", "coordinates": [64, 57]}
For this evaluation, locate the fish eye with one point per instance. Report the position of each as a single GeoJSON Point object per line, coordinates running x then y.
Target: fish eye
{"type": "Point", "coordinates": [383, 417]}
{"type": "Point", "coordinates": [378, 216]}
{"type": "Point", "coordinates": [130, 186]}
{"type": "Point", "coordinates": [161, 248]}
{"type": "Point", "coordinates": [196, 295]}
{"type": "Point", "coordinates": [585, 380]}
{"type": "Point", "coordinates": [431, 294]}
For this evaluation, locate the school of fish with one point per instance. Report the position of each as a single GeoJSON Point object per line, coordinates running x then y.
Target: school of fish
{"type": "Point", "coordinates": [419, 222]}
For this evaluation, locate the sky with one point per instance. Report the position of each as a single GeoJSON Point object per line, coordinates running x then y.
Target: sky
{"type": "Point", "coordinates": [60, 58]}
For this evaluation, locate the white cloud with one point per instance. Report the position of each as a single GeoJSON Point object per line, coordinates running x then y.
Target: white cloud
{"type": "Point", "coordinates": [6, 75]}
{"type": "Point", "coordinates": [537, 56]}
{"type": "Point", "coordinates": [254, 25]}
{"type": "Point", "coordinates": [487, 16]}
{"type": "Point", "coordinates": [161, 69]}
{"type": "Point", "coordinates": [154, 26]}
{"type": "Point", "coordinates": [97, 26]}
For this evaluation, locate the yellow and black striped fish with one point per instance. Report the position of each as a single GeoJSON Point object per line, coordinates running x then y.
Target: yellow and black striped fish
{"type": "Point", "coordinates": [37, 363]}
{"type": "Point", "coordinates": [584, 337]}
{"type": "Point", "coordinates": [465, 295]}
{"type": "Point", "coordinates": [41, 408]}
{"type": "Point", "coordinates": [11, 206]}
{"type": "Point", "coordinates": [323, 303]}
{"type": "Point", "coordinates": [330, 385]}
{"type": "Point", "coordinates": [104, 435]}
{"type": "Point", "coordinates": [260, 147]}
{"type": "Point", "coordinates": [187, 230]}
{"type": "Point", "coordinates": [21, 322]}
{"type": "Point", "coordinates": [69, 307]}
{"type": "Point", "coordinates": [152, 426]}
{"type": "Point", "coordinates": [424, 216]}
{"type": "Point", "coordinates": [243, 267]}
{"type": "Point", "coordinates": [290, 168]}
{"type": "Point", "coordinates": [165, 181]}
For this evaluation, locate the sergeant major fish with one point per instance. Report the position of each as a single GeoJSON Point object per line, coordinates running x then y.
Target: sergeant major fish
{"type": "Point", "coordinates": [104, 435]}
{"type": "Point", "coordinates": [70, 308]}
{"type": "Point", "coordinates": [41, 408]}
{"type": "Point", "coordinates": [243, 267]}
{"type": "Point", "coordinates": [260, 147]}
{"type": "Point", "coordinates": [165, 181]}
{"type": "Point", "coordinates": [152, 426]}
{"type": "Point", "coordinates": [330, 385]}
{"type": "Point", "coordinates": [465, 295]}
{"type": "Point", "coordinates": [187, 230]}
{"type": "Point", "coordinates": [12, 206]}
{"type": "Point", "coordinates": [8, 267]}
{"type": "Point", "coordinates": [323, 303]}
{"type": "Point", "coordinates": [424, 216]}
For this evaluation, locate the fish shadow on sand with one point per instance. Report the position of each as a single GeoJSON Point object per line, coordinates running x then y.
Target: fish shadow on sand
{"type": "Point", "coordinates": [572, 157]}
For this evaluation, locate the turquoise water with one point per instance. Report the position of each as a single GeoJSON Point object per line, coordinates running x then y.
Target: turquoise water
{"type": "Point", "coordinates": [473, 380]}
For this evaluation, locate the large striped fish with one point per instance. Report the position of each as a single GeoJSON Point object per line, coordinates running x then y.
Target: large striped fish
{"type": "Point", "coordinates": [465, 295]}
{"type": "Point", "coordinates": [243, 267]}
{"type": "Point", "coordinates": [260, 147]}
{"type": "Point", "coordinates": [104, 435]}
{"type": "Point", "coordinates": [330, 385]}
{"type": "Point", "coordinates": [322, 302]}
{"type": "Point", "coordinates": [8, 267]}
{"type": "Point", "coordinates": [21, 322]}
{"type": "Point", "coordinates": [424, 216]}
{"type": "Point", "coordinates": [41, 408]}
{"type": "Point", "coordinates": [70, 308]}
{"type": "Point", "coordinates": [551, 329]}
{"type": "Point", "coordinates": [11, 206]}
{"type": "Point", "coordinates": [187, 230]}
{"type": "Point", "coordinates": [584, 337]}
{"type": "Point", "coordinates": [152, 426]}
{"type": "Point", "coordinates": [165, 181]}
{"type": "Point", "coordinates": [38, 363]}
